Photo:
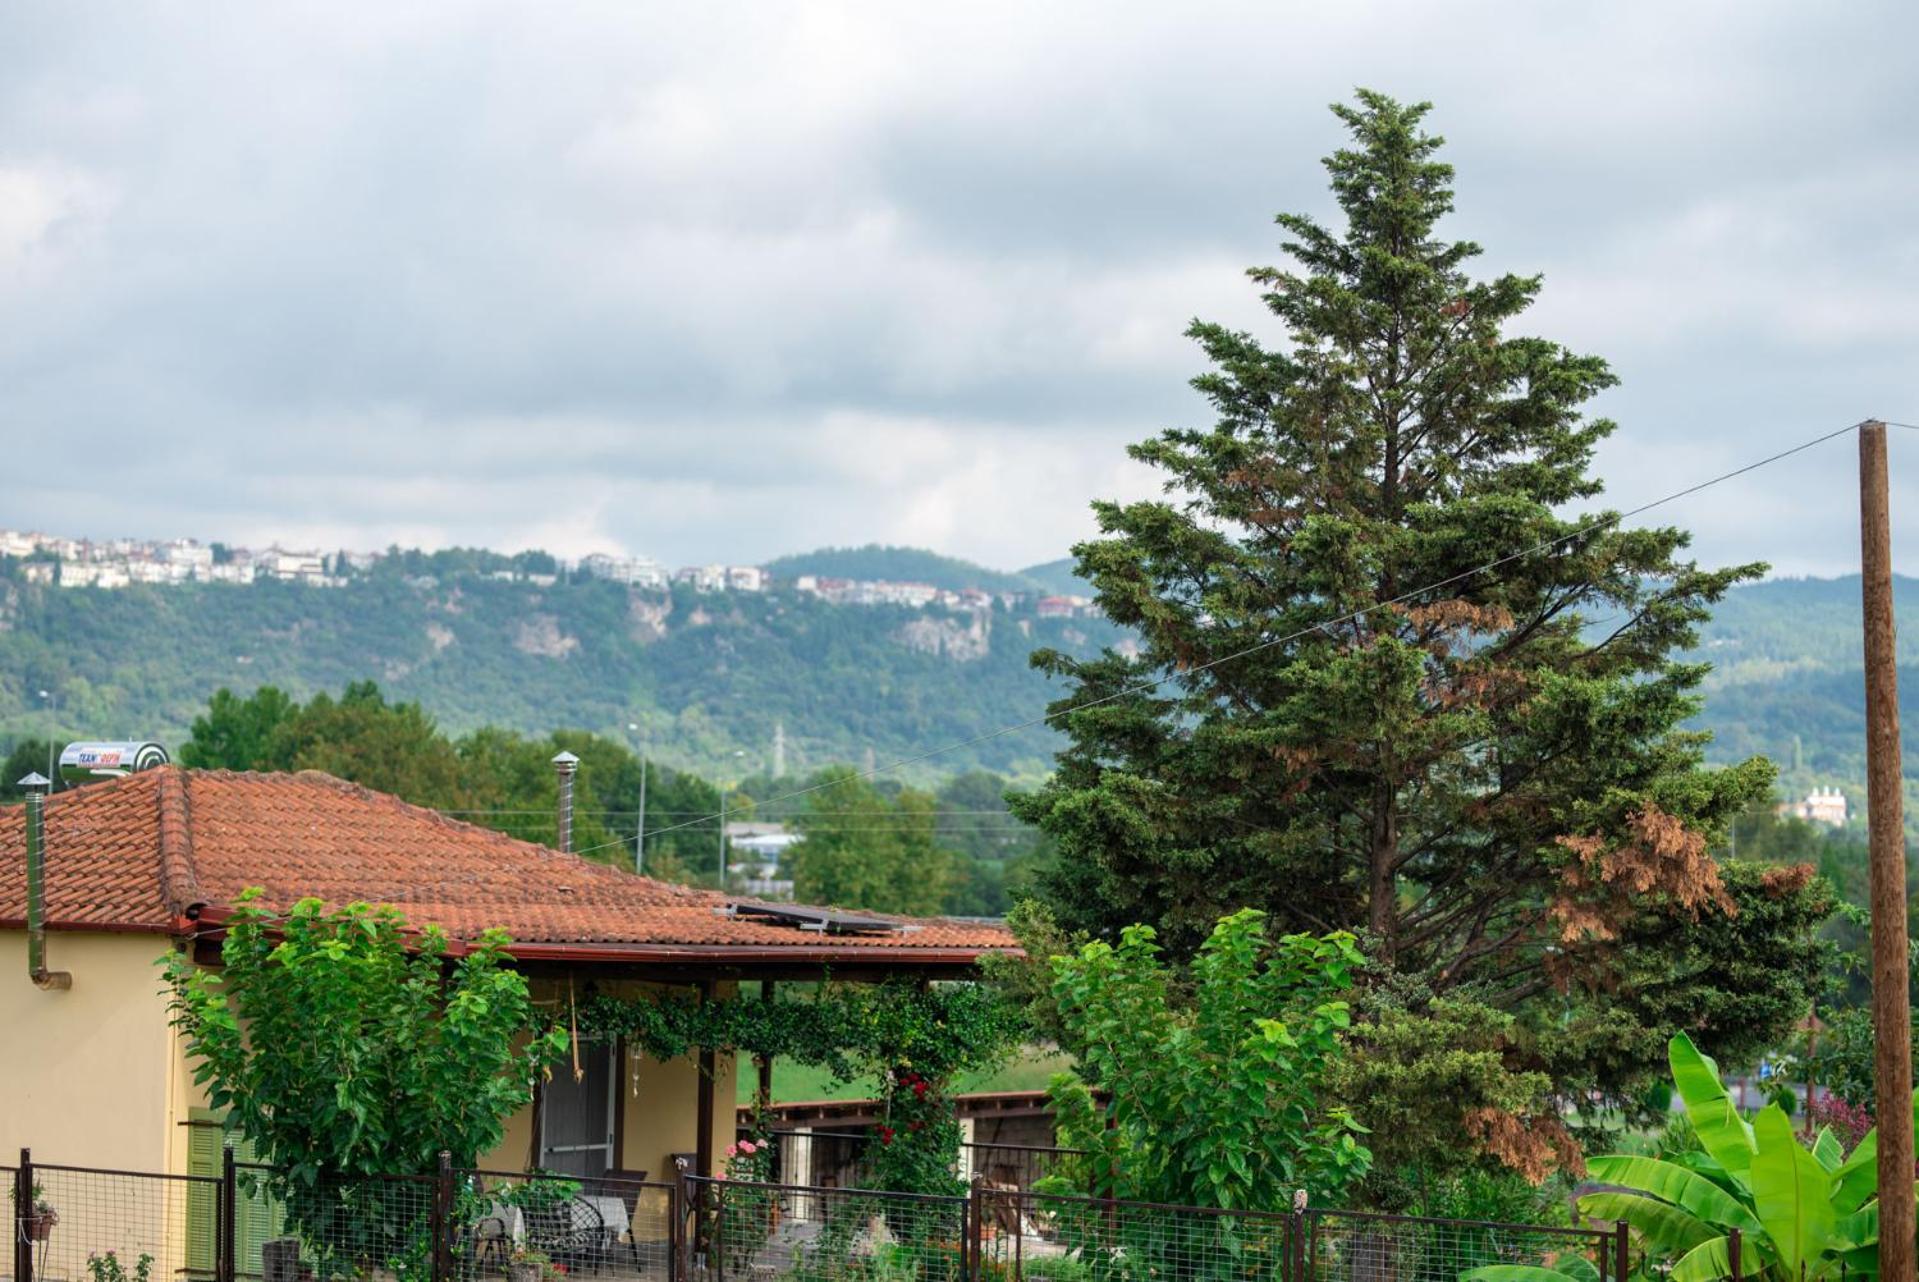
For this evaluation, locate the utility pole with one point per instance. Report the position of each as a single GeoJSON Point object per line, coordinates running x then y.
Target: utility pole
{"type": "Point", "coordinates": [639, 830]}
{"type": "Point", "coordinates": [1885, 813]}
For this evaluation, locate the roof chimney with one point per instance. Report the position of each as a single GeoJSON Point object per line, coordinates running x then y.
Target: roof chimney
{"type": "Point", "coordinates": [565, 763]}
{"type": "Point", "coordinates": [52, 980]}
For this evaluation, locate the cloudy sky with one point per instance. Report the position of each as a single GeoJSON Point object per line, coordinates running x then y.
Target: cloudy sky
{"type": "Point", "coordinates": [723, 281]}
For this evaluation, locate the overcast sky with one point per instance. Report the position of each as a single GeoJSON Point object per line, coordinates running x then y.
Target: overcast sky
{"type": "Point", "coordinates": [716, 281]}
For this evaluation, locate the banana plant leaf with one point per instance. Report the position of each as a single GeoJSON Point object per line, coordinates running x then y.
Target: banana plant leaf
{"type": "Point", "coordinates": [1666, 1228]}
{"type": "Point", "coordinates": [1710, 1261]}
{"type": "Point", "coordinates": [1692, 1193]}
{"type": "Point", "coordinates": [1578, 1269]}
{"type": "Point", "coordinates": [1828, 1150]}
{"type": "Point", "coordinates": [1792, 1193]}
{"type": "Point", "coordinates": [1715, 1119]}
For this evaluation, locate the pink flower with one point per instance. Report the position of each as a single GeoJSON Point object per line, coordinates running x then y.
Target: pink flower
{"type": "Point", "coordinates": [733, 1150]}
{"type": "Point", "coordinates": [719, 1175]}
{"type": "Point", "coordinates": [748, 1147]}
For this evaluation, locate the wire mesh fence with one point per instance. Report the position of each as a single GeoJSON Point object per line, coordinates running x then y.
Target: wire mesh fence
{"type": "Point", "coordinates": [608, 1226]}
{"type": "Point", "coordinates": [1037, 1237]}
{"type": "Point", "coordinates": [320, 1227]}
{"type": "Point", "coordinates": [1354, 1246]}
{"type": "Point", "coordinates": [746, 1232]}
{"type": "Point", "coordinates": [81, 1224]}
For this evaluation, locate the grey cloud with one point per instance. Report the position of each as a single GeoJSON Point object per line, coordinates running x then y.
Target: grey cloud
{"type": "Point", "coordinates": [725, 281]}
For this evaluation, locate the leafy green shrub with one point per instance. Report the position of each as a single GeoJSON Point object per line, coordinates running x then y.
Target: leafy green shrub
{"type": "Point", "coordinates": [1219, 1100]}
{"type": "Point", "coordinates": [349, 1050]}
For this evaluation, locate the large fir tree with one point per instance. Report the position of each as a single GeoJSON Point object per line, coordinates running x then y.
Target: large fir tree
{"type": "Point", "coordinates": [1374, 715]}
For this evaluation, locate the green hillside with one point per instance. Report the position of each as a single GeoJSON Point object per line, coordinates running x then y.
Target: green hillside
{"type": "Point", "coordinates": [899, 565]}
{"type": "Point", "coordinates": [707, 678]}
{"type": "Point", "coordinates": [1058, 578]}
{"type": "Point", "coordinates": [1788, 683]}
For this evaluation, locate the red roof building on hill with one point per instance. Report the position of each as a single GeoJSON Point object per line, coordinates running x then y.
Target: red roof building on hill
{"type": "Point", "coordinates": [152, 862]}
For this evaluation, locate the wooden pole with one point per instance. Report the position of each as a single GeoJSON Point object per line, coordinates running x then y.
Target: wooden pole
{"type": "Point", "coordinates": [1885, 813]}
{"type": "Point", "coordinates": [703, 1100]}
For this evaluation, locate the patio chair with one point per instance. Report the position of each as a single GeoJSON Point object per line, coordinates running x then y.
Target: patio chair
{"type": "Point", "coordinates": [625, 1185]}
{"type": "Point", "coordinates": [571, 1232]}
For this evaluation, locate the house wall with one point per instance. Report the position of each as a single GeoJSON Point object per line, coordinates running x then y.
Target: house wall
{"type": "Point", "coordinates": [658, 1101]}
{"type": "Point", "coordinates": [92, 1075]}
{"type": "Point", "coordinates": [95, 1075]}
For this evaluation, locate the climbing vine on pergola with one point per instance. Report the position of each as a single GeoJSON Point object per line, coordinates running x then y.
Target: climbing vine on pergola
{"type": "Point", "coordinates": [915, 1039]}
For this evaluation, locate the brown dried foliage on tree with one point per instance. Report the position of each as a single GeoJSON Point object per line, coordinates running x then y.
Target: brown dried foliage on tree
{"type": "Point", "coordinates": [1534, 1146]}
{"type": "Point", "coordinates": [1657, 856]}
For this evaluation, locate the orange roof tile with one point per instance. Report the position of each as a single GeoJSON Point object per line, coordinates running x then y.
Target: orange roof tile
{"type": "Point", "coordinates": [150, 851]}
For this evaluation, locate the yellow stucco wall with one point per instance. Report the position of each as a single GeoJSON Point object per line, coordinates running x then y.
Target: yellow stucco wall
{"type": "Point", "coordinates": [659, 1099]}
{"type": "Point", "coordinates": [92, 1074]}
{"type": "Point", "coordinates": [100, 1079]}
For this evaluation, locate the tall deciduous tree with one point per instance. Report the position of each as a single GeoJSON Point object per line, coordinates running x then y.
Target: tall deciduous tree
{"type": "Point", "coordinates": [1379, 710]}
{"type": "Point", "coordinates": [864, 850]}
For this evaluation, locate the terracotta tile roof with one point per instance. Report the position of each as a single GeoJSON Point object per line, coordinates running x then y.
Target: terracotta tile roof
{"type": "Point", "coordinates": [149, 851]}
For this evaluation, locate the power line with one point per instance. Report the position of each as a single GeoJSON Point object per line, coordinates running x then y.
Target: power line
{"type": "Point", "coordinates": [1353, 616]}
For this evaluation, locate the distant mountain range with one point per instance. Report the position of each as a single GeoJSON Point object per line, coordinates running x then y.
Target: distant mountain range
{"type": "Point", "coordinates": [707, 678]}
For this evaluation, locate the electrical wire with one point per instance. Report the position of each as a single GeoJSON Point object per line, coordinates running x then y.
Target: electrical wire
{"type": "Point", "coordinates": [1577, 532]}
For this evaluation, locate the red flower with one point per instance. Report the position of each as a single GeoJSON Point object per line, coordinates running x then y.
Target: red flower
{"type": "Point", "coordinates": [919, 1088]}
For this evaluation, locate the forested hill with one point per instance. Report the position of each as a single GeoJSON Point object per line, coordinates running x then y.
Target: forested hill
{"type": "Point", "coordinates": [900, 565]}
{"type": "Point", "coordinates": [706, 677]}
{"type": "Point", "coordinates": [1787, 680]}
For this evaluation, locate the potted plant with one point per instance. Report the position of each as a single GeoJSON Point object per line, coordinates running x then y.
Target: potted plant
{"type": "Point", "coordinates": [42, 1218]}
{"type": "Point", "coordinates": [528, 1265]}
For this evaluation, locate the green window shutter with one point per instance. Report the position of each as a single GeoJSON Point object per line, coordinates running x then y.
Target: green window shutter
{"type": "Point", "coordinates": [257, 1220]}
{"type": "Point", "coordinates": [203, 1159]}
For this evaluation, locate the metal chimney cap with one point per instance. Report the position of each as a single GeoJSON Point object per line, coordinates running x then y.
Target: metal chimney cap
{"type": "Point", "coordinates": [35, 780]}
{"type": "Point", "coordinates": [565, 760]}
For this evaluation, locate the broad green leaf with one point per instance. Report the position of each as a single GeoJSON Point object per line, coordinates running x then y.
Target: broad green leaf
{"type": "Point", "coordinates": [1710, 1261]}
{"type": "Point", "coordinates": [1675, 1184]}
{"type": "Point", "coordinates": [1669, 1229]}
{"type": "Point", "coordinates": [1515, 1273]}
{"type": "Point", "coordinates": [1827, 1149]}
{"type": "Point", "coordinates": [1722, 1132]}
{"type": "Point", "coordinates": [1861, 1228]}
{"type": "Point", "coordinates": [1576, 1265]}
{"type": "Point", "coordinates": [1857, 1178]}
{"type": "Point", "coordinates": [1791, 1192]}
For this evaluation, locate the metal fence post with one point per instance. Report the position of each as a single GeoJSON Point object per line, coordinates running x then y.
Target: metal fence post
{"type": "Point", "coordinates": [1622, 1259]}
{"type": "Point", "coordinates": [1732, 1253]}
{"type": "Point", "coordinates": [974, 1264]}
{"type": "Point", "coordinates": [22, 1214]}
{"type": "Point", "coordinates": [226, 1220]}
{"type": "Point", "coordinates": [442, 1219]}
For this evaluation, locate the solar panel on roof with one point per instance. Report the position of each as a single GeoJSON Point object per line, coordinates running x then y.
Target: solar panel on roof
{"type": "Point", "coordinates": [820, 919]}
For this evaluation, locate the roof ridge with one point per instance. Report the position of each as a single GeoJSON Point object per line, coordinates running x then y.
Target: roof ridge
{"type": "Point", "coordinates": [430, 815]}
{"type": "Point", "coordinates": [179, 879]}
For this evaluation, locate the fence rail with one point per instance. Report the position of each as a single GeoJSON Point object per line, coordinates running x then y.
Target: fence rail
{"type": "Point", "coordinates": [842, 1159]}
{"type": "Point", "coordinates": [252, 1222]}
